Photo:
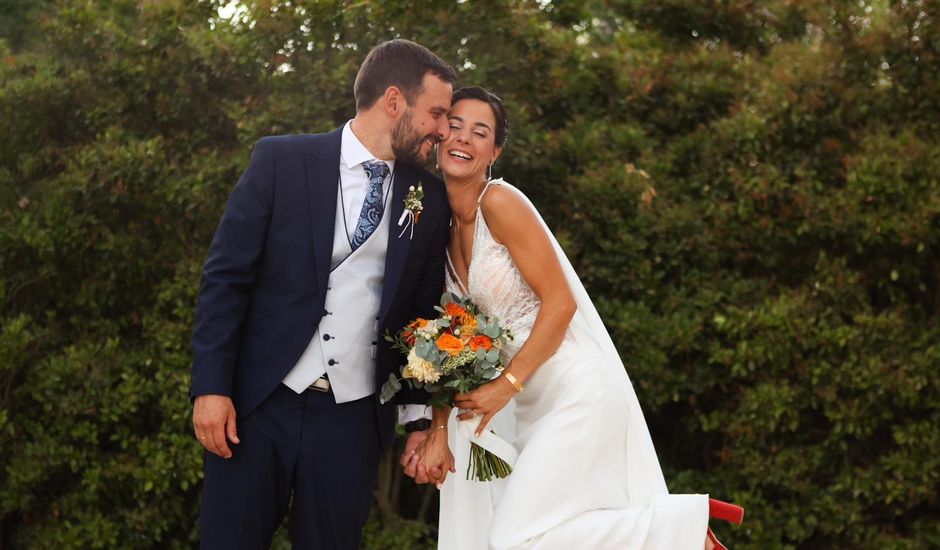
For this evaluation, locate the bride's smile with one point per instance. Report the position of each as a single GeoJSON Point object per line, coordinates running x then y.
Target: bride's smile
{"type": "Point", "coordinates": [471, 148]}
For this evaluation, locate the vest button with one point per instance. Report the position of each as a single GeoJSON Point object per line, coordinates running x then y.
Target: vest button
{"type": "Point", "coordinates": [331, 362]}
{"type": "Point", "coordinates": [326, 337]}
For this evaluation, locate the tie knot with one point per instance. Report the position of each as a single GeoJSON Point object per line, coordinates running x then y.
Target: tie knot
{"type": "Point", "coordinates": [375, 169]}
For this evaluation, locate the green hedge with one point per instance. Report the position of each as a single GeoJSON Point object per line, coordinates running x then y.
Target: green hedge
{"type": "Point", "coordinates": [749, 190]}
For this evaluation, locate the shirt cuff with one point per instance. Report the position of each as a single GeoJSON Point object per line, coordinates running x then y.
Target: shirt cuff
{"type": "Point", "coordinates": [407, 413]}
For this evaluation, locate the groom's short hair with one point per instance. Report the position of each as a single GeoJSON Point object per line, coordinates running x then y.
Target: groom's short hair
{"type": "Point", "coordinates": [400, 63]}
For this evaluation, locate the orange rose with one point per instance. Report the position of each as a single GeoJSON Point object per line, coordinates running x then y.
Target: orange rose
{"type": "Point", "coordinates": [449, 343]}
{"type": "Point", "coordinates": [481, 341]}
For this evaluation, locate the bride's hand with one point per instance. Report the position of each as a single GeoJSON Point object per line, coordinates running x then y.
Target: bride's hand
{"type": "Point", "coordinates": [487, 400]}
{"type": "Point", "coordinates": [434, 458]}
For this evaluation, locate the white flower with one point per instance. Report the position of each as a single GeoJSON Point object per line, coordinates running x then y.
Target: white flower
{"type": "Point", "coordinates": [429, 331]}
{"type": "Point", "coordinates": [420, 369]}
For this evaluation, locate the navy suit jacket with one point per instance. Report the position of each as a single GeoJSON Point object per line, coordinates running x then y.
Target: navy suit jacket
{"type": "Point", "coordinates": [264, 281]}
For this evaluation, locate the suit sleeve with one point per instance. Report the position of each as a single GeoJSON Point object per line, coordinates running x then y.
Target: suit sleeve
{"type": "Point", "coordinates": [229, 273]}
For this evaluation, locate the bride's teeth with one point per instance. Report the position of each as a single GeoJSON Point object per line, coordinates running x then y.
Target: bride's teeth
{"type": "Point", "coordinates": [460, 155]}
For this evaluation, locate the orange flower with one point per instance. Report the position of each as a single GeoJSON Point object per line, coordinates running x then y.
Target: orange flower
{"type": "Point", "coordinates": [409, 333]}
{"type": "Point", "coordinates": [481, 341]}
{"type": "Point", "coordinates": [469, 323]}
{"type": "Point", "coordinates": [456, 312]}
{"type": "Point", "coordinates": [449, 343]}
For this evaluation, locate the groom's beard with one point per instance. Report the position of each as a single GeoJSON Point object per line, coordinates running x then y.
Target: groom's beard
{"type": "Point", "coordinates": [407, 142]}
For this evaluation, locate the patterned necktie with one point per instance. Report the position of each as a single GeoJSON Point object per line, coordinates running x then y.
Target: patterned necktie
{"type": "Point", "coordinates": [372, 207]}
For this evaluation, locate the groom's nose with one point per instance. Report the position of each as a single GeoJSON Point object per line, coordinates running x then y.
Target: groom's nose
{"type": "Point", "coordinates": [443, 128]}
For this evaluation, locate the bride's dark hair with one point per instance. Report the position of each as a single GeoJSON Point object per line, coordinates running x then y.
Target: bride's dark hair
{"type": "Point", "coordinates": [501, 132]}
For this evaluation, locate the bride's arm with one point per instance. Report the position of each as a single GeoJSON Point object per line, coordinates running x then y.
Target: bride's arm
{"type": "Point", "coordinates": [513, 223]}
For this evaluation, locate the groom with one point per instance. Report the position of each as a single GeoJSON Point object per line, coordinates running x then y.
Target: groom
{"type": "Point", "coordinates": [315, 258]}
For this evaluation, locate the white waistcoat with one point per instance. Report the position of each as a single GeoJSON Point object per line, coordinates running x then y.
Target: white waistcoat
{"type": "Point", "coordinates": [344, 344]}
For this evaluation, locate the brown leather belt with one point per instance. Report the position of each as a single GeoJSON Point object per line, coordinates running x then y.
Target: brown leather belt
{"type": "Point", "coordinates": [321, 384]}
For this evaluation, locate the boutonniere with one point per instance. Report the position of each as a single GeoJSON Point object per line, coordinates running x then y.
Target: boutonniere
{"type": "Point", "coordinates": [413, 208]}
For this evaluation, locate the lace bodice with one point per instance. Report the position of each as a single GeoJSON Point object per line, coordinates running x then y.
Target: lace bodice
{"type": "Point", "coordinates": [495, 284]}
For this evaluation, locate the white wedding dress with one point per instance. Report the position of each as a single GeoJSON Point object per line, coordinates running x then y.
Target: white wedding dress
{"type": "Point", "coordinates": [585, 473]}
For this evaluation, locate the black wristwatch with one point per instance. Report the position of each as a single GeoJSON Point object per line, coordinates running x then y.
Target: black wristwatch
{"type": "Point", "coordinates": [419, 425]}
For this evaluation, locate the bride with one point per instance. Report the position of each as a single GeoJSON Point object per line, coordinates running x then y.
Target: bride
{"type": "Point", "coordinates": [585, 473]}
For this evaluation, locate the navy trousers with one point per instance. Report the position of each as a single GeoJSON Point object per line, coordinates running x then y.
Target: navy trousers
{"type": "Point", "coordinates": [299, 452]}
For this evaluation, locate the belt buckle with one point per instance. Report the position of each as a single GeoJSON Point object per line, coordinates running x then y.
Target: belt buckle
{"type": "Point", "coordinates": [321, 385]}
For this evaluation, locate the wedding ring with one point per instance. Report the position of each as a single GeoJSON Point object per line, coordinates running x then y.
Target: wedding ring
{"type": "Point", "coordinates": [203, 438]}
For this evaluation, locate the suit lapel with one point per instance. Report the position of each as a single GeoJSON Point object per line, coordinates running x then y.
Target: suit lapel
{"type": "Point", "coordinates": [397, 252]}
{"type": "Point", "coordinates": [322, 186]}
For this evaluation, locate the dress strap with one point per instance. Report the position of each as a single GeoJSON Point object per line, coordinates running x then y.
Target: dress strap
{"type": "Point", "coordinates": [485, 188]}
{"type": "Point", "coordinates": [451, 274]}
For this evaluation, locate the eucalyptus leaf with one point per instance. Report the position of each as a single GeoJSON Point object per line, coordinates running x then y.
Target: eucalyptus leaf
{"type": "Point", "coordinates": [423, 348]}
{"type": "Point", "coordinates": [389, 389]}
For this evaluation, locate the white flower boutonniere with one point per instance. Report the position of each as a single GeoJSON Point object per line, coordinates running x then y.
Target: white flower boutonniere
{"type": "Point", "coordinates": [413, 208]}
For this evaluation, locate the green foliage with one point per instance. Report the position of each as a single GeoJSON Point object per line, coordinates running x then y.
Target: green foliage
{"type": "Point", "coordinates": [749, 191]}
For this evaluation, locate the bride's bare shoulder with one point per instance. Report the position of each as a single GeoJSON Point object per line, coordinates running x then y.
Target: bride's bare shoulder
{"type": "Point", "coordinates": [507, 212]}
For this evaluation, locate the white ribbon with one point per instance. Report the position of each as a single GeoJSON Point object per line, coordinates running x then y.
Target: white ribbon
{"type": "Point", "coordinates": [411, 217]}
{"type": "Point", "coordinates": [488, 440]}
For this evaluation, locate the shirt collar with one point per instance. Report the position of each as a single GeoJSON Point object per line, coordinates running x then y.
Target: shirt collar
{"type": "Point", "coordinates": [354, 152]}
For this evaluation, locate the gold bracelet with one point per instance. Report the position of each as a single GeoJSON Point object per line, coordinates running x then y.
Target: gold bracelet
{"type": "Point", "coordinates": [440, 427]}
{"type": "Point", "coordinates": [512, 380]}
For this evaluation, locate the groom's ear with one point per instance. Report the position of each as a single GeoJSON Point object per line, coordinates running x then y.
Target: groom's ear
{"type": "Point", "coordinates": [394, 102]}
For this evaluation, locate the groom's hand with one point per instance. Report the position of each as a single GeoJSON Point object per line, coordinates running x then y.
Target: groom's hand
{"type": "Point", "coordinates": [213, 422]}
{"type": "Point", "coordinates": [411, 446]}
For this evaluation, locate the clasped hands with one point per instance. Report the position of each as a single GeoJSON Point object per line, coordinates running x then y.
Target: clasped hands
{"type": "Point", "coordinates": [427, 457]}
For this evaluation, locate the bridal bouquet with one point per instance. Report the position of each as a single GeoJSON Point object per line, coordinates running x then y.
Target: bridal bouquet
{"type": "Point", "coordinates": [455, 353]}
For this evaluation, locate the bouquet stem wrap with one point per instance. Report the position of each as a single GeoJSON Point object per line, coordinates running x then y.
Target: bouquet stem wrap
{"type": "Point", "coordinates": [490, 455]}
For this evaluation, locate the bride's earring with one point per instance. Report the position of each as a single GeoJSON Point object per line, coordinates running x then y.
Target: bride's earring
{"type": "Point", "coordinates": [489, 174]}
{"type": "Point", "coordinates": [437, 164]}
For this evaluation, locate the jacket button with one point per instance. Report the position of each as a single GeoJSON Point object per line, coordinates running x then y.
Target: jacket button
{"type": "Point", "coordinates": [331, 362]}
{"type": "Point", "coordinates": [326, 337]}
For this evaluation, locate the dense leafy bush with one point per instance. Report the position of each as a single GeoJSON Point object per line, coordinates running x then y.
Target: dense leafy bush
{"type": "Point", "coordinates": [749, 190]}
